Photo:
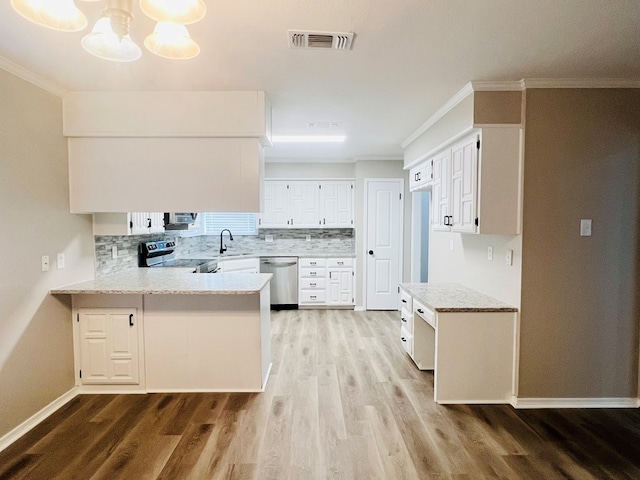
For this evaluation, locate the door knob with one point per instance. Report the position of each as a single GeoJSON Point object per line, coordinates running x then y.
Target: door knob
{"type": "Point", "coordinates": [370, 252]}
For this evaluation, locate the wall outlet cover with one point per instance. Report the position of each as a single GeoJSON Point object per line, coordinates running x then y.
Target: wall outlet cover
{"type": "Point", "coordinates": [490, 253]}
{"type": "Point", "coordinates": [45, 263]}
{"type": "Point", "coordinates": [308, 238]}
{"type": "Point", "coordinates": [509, 257]}
{"type": "Point", "coordinates": [585, 227]}
{"type": "Point", "coordinates": [60, 261]}
{"type": "Point", "coordinates": [268, 238]}
{"type": "Point", "coordinates": [114, 252]}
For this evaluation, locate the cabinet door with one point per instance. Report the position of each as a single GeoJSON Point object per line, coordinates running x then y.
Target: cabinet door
{"type": "Point", "coordinates": [139, 223]}
{"type": "Point", "coordinates": [157, 222]}
{"type": "Point", "coordinates": [337, 201]}
{"type": "Point", "coordinates": [340, 286]}
{"type": "Point", "coordinates": [109, 346]}
{"type": "Point", "coordinates": [414, 177]}
{"type": "Point", "coordinates": [276, 205]}
{"type": "Point", "coordinates": [246, 265]}
{"type": "Point", "coordinates": [464, 167]}
{"type": "Point", "coordinates": [441, 187]}
{"type": "Point", "coordinates": [304, 199]}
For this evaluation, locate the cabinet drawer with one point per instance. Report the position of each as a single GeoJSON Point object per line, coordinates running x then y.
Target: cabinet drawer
{"type": "Point", "coordinates": [406, 300]}
{"type": "Point", "coordinates": [312, 283]}
{"type": "Point", "coordinates": [339, 262]}
{"type": "Point", "coordinates": [406, 319]}
{"type": "Point", "coordinates": [407, 341]}
{"type": "Point", "coordinates": [427, 315]}
{"type": "Point", "coordinates": [311, 262]}
{"type": "Point", "coordinates": [307, 272]}
{"type": "Point", "coordinates": [312, 296]}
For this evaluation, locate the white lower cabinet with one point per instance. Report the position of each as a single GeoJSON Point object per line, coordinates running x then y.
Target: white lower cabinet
{"type": "Point", "coordinates": [108, 346]}
{"type": "Point", "coordinates": [325, 281]}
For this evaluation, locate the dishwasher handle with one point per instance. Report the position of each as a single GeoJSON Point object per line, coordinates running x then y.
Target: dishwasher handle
{"type": "Point", "coordinates": [278, 264]}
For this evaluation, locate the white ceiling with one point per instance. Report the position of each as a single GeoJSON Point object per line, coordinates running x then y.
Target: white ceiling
{"type": "Point", "coordinates": [408, 58]}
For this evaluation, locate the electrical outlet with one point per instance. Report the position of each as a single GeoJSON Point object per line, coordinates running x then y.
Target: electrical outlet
{"type": "Point", "coordinates": [45, 263]}
{"type": "Point", "coordinates": [114, 252]}
{"type": "Point", "coordinates": [509, 257]}
{"type": "Point", "coordinates": [308, 238]}
{"type": "Point", "coordinates": [585, 227]}
{"type": "Point", "coordinates": [268, 238]}
{"type": "Point", "coordinates": [490, 253]}
{"type": "Point", "coordinates": [60, 261]}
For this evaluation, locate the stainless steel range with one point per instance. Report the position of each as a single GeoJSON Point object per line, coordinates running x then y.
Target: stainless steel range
{"type": "Point", "coordinates": [162, 254]}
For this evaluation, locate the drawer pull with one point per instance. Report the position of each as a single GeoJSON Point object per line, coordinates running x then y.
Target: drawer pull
{"type": "Point", "coordinates": [131, 319]}
{"type": "Point", "coordinates": [312, 284]}
{"type": "Point", "coordinates": [403, 319]}
{"type": "Point", "coordinates": [313, 263]}
{"type": "Point", "coordinates": [313, 297]}
{"type": "Point", "coordinates": [313, 273]}
{"type": "Point", "coordinates": [340, 263]}
{"type": "Point", "coordinates": [403, 339]}
{"type": "Point", "coordinates": [420, 310]}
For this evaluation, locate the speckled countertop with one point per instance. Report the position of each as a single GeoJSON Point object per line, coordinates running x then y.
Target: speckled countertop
{"type": "Point", "coordinates": [177, 281]}
{"type": "Point", "coordinates": [454, 297]}
{"type": "Point", "coordinates": [209, 256]}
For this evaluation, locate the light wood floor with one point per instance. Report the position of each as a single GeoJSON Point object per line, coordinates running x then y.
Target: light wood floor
{"type": "Point", "coordinates": [343, 402]}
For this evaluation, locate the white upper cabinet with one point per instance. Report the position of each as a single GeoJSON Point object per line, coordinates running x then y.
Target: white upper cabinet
{"type": "Point", "coordinates": [304, 201]}
{"type": "Point", "coordinates": [421, 177]}
{"type": "Point", "coordinates": [337, 204]}
{"type": "Point", "coordinates": [476, 183]}
{"type": "Point", "coordinates": [134, 223]}
{"type": "Point", "coordinates": [307, 204]}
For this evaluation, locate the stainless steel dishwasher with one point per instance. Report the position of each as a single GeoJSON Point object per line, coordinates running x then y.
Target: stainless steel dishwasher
{"type": "Point", "coordinates": [284, 284]}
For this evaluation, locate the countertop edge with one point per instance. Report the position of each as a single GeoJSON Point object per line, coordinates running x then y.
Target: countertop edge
{"type": "Point", "coordinates": [501, 307]}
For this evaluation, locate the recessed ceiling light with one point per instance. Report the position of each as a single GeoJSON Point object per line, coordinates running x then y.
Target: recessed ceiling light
{"type": "Point", "coordinates": [308, 138]}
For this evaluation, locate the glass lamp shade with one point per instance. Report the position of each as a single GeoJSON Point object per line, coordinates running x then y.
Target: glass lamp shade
{"type": "Point", "coordinates": [60, 15]}
{"type": "Point", "coordinates": [178, 11]}
{"type": "Point", "coordinates": [172, 40]}
{"type": "Point", "coordinates": [104, 43]}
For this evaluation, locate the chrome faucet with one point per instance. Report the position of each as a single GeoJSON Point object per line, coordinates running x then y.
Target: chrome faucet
{"type": "Point", "coordinates": [223, 248]}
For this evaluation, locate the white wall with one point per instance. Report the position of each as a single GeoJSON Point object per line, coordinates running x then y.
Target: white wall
{"type": "Point", "coordinates": [36, 349]}
{"type": "Point", "coordinates": [309, 170]}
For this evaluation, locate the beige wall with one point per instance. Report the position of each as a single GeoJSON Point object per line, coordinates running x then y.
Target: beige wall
{"type": "Point", "coordinates": [380, 169]}
{"type": "Point", "coordinates": [580, 309]}
{"type": "Point", "coordinates": [309, 170]}
{"type": "Point", "coordinates": [36, 354]}
{"type": "Point", "coordinates": [497, 108]}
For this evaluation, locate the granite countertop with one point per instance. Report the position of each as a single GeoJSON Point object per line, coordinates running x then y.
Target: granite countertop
{"type": "Point", "coordinates": [454, 297]}
{"type": "Point", "coordinates": [177, 281]}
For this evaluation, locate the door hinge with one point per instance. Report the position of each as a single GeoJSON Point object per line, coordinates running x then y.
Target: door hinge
{"type": "Point", "coordinates": [478, 144]}
{"type": "Point", "coordinates": [80, 373]}
{"type": "Point", "coordinates": [259, 221]}
{"type": "Point", "coordinates": [477, 221]}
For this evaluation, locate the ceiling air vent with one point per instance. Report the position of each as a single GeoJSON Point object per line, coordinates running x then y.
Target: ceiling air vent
{"type": "Point", "coordinates": [336, 41]}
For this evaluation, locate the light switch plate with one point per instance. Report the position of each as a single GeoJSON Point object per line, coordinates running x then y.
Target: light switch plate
{"type": "Point", "coordinates": [60, 261]}
{"type": "Point", "coordinates": [509, 257]}
{"type": "Point", "coordinates": [585, 227]}
{"type": "Point", "coordinates": [490, 253]}
{"type": "Point", "coordinates": [114, 252]}
{"type": "Point", "coordinates": [45, 263]}
{"type": "Point", "coordinates": [268, 238]}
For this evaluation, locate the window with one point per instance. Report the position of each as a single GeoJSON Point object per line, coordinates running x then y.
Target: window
{"type": "Point", "coordinates": [238, 223]}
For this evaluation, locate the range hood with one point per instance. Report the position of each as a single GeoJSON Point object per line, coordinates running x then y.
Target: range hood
{"type": "Point", "coordinates": [180, 221]}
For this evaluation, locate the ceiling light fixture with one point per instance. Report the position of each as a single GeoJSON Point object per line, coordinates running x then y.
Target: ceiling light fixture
{"type": "Point", "coordinates": [109, 38]}
{"type": "Point", "coordinates": [308, 138]}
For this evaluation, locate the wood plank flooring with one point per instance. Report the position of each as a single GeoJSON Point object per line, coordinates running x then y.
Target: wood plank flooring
{"type": "Point", "coordinates": [343, 402]}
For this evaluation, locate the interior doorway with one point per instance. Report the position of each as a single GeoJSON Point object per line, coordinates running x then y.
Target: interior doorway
{"type": "Point", "coordinates": [420, 223]}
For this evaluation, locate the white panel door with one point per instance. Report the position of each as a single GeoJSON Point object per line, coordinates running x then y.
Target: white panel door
{"type": "Point", "coordinates": [109, 346]}
{"type": "Point", "coordinates": [304, 198]}
{"type": "Point", "coordinates": [139, 223]}
{"type": "Point", "coordinates": [276, 205]}
{"type": "Point", "coordinates": [441, 187]}
{"type": "Point", "coordinates": [464, 167]}
{"type": "Point", "coordinates": [337, 202]}
{"type": "Point", "coordinates": [157, 222]}
{"type": "Point", "coordinates": [383, 244]}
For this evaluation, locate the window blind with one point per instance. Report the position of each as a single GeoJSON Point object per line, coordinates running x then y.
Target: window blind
{"type": "Point", "coordinates": [238, 223]}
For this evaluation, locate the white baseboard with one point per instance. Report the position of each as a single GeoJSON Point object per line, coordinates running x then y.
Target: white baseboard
{"type": "Point", "coordinates": [37, 418]}
{"type": "Point", "coordinates": [575, 402]}
{"type": "Point", "coordinates": [359, 308]}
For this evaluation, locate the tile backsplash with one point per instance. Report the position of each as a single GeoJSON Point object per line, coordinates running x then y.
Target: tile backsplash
{"type": "Point", "coordinates": [285, 241]}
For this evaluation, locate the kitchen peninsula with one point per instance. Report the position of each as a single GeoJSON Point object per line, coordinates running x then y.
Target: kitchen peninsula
{"type": "Point", "coordinates": [165, 330]}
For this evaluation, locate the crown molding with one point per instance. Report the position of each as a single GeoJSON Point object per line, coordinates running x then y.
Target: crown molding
{"type": "Point", "coordinates": [581, 83]}
{"type": "Point", "coordinates": [379, 158]}
{"type": "Point", "coordinates": [441, 112]}
{"type": "Point", "coordinates": [34, 79]}
{"type": "Point", "coordinates": [499, 86]}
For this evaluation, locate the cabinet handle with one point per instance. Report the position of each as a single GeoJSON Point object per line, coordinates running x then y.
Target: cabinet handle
{"type": "Point", "coordinates": [403, 319]}
{"type": "Point", "coordinates": [340, 263]}
{"type": "Point", "coordinates": [149, 222]}
{"type": "Point", "coordinates": [404, 301]}
{"type": "Point", "coordinates": [420, 310]}
{"type": "Point", "coordinates": [324, 221]}
{"type": "Point", "coordinates": [131, 319]}
{"type": "Point", "coordinates": [312, 284]}
{"type": "Point", "coordinates": [403, 339]}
